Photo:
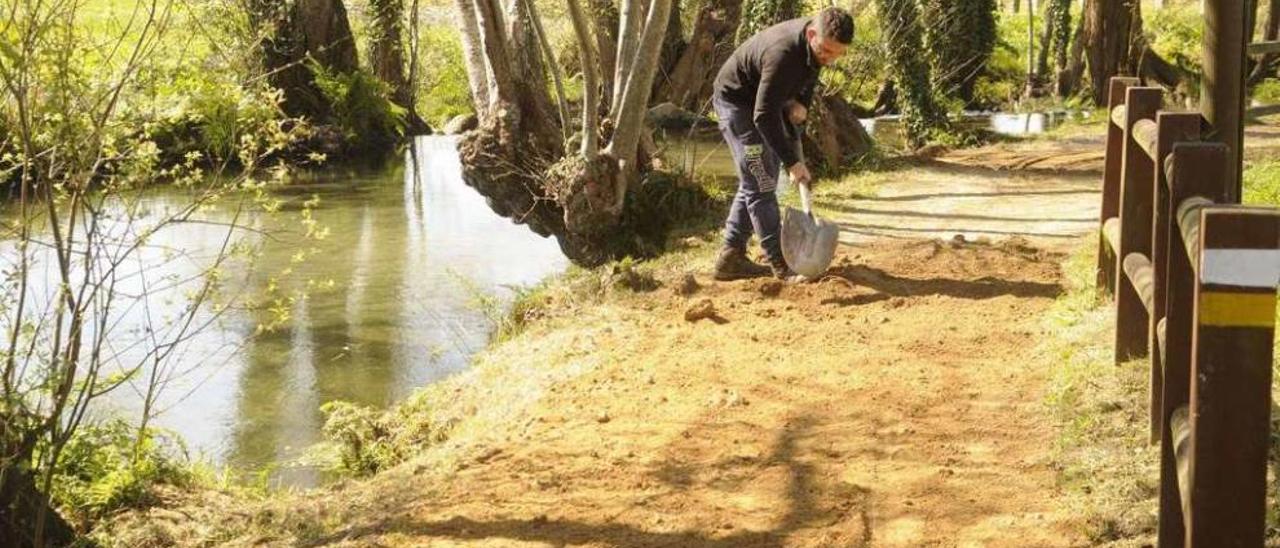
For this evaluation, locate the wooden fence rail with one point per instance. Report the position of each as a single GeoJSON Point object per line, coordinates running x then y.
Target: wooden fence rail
{"type": "Point", "coordinates": [1194, 278]}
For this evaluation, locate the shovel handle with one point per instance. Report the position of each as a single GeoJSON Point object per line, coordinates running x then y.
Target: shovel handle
{"type": "Point", "coordinates": [806, 202]}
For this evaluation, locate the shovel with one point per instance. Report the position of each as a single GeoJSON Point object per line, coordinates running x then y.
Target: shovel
{"type": "Point", "coordinates": [808, 243]}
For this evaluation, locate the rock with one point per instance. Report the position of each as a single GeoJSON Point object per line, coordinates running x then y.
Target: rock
{"type": "Point", "coordinates": [603, 417]}
{"type": "Point", "coordinates": [700, 310]}
{"type": "Point", "coordinates": [771, 288]}
{"type": "Point", "coordinates": [689, 285]}
{"type": "Point", "coordinates": [670, 116]}
{"type": "Point", "coordinates": [461, 123]}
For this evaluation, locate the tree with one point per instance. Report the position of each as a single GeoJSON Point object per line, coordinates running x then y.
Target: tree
{"type": "Point", "coordinates": [1108, 25]}
{"type": "Point", "coordinates": [758, 15]}
{"type": "Point", "coordinates": [959, 38]}
{"type": "Point", "coordinates": [296, 33]}
{"type": "Point", "coordinates": [386, 47]}
{"type": "Point", "coordinates": [903, 37]}
{"type": "Point", "coordinates": [517, 158]}
{"type": "Point", "coordinates": [689, 85]}
{"type": "Point", "coordinates": [81, 170]}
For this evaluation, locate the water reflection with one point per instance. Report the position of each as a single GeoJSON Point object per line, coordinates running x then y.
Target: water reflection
{"type": "Point", "coordinates": [387, 306]}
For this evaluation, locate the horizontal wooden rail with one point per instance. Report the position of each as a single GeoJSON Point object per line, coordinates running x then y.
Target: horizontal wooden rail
{"type": "Point", "coordinates": [1137, 267]}
{"type": "Point", "coordinates": [1144, 133]}
{"type": "Point", "coordinates": [1262, 110]}
{"type": "Point", "coordinates": [1111, 233]}
{"type": "Point", "coordinates": [1117, 116]}
{"type": "Point", "coordinates": [1263, 48]}
{"type": "Point", "coordinates": [1180, 432]}
{"type": "Point", "coordinates": [1162, 335]}
{"type": "Point", "coordinates": [1188, 217]}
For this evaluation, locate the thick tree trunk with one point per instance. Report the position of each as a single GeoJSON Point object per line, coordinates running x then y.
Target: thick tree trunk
{"type": "Point", "coordinates": [959, 37]}
{"type": "Point", "coordinates": [295, 33]}
{"type": "Point", "coordinates": [689, 85]}
{"type": "Point", "coordinates": [327, 31]}
{"type": "Point", "coordinates": [1108, 38]}
{"type": "Point", "coordinates": [473, 56]}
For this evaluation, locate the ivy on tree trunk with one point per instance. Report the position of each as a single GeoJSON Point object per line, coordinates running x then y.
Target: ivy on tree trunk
{"type": "Point", "coordinates": [921, 114]}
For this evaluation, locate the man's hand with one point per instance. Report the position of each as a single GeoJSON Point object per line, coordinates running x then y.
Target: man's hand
{"type": "Point", "coordinates": [796, 112]}
{"type": "Point", "coordinates": [800, 174]}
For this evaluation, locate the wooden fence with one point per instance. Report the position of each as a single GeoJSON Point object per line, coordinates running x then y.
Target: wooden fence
{"type": "Point", "coordinates": [1194, 276]}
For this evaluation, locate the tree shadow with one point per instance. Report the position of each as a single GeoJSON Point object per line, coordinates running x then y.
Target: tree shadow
{"type": "Point", "coordinates": [959, 216]}
{"type": "Point", "coordinates": [986, 287]}
{"type": "Point", "coordinates": [941, 195]}
{"type": "Point", "coordinates": [870, 230]}
{"type": "Point", "coordinates": [801, 511]}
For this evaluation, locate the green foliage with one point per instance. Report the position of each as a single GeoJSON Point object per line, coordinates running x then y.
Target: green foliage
{"type": "Point", "coordinates": [442, 76]}
{"type": "Point", "coordinates": [959, 36]}
{"type": "Point", "coordinates": [362, 435]}
{"type": "Point", "coordinates": [1176, 34]}
{"type": "Point", "coordinates": [1006, 72]}
{"type": "Point", "coordinates": [106, 467]}
{"type": "Point", "coordinates": [758, 15]}
{"type": "Point", "coordinates": [1262, 183]}
{"type": "Point", "coordinates": [858, 75]}
{"type": "Point", "coordinates": [921, 114]}
{"type": "Point", "coordinates": [362, 107]}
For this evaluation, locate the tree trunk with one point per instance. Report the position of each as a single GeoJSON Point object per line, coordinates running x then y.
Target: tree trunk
{"type": "Point", "coordinates": [553, 66]}
{"type": "Point", "coordinates": [21, 505]}
{"type": "Point", "coordinates": [1107, 35]}
{"type": "Point", "coordinates": [528, 67]}
{"type": "Point", "coordinates": [605, 20]}
{"type": "Point", "coordinates": [473, 56]}
{"type": "Point", "coordinates": [327, 31]}
{"type": "Point", "coordinates": [628, 37]}
{"type": "Point", "coordinates": [1069, 77]}
{"type": "Point", "coordinates": [590, 83]}
{"type": "Point", "coordinates": [959, 37]}
{"type": "Point", "coordinates": [903, 37]}
{"type": "Point", "coordinates": [635, 97]}
{"type": "Point", "coordinates": [295, 33]}
{"type": "Point", "coordinates": [690, 83]}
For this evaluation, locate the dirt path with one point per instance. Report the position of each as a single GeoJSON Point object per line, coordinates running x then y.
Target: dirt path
{"type": "Point", "coordinates": [895, 403]}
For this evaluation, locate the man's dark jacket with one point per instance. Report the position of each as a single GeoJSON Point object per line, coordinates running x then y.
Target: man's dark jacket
{"type": "Point", "coordinates": [769, 69]}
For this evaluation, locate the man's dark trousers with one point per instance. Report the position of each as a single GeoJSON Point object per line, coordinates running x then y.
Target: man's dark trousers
{"type": "Point", "coordinates": [755, 207]}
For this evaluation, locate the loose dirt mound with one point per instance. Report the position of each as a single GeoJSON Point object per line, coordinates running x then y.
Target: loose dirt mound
{"type": "Point", "coordinates": [890, 404]}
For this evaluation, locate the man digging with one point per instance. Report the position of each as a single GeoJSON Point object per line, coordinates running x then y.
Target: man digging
{"type": "Point", "coordinates": [766, 85]}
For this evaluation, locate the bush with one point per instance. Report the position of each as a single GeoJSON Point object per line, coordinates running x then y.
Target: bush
{"type": "Point", "coordinates": [362, 108]}
{"type": "Point", "coordinates": [442, 76]}
{"type": "Point", "coordinates": [105, 468]}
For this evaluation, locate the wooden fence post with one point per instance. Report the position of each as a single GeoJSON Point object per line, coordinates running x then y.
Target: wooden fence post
{"type": "Point", "coordinates": [1173, 127]}
{"type": "Point", "coordinates": [1138, 172]}
{"type": "Point", "coordinates": [1193, 169]}
{"type": "Point", "coordinates": [1239, 270]}
{"type": "Point", "coordinates": [1107, 259]}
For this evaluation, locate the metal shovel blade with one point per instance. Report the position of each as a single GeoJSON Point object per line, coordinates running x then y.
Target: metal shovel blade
{"type": "Point", "coordinates": [808, 243]}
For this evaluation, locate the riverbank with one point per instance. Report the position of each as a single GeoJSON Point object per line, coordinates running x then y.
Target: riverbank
{"type": "Point", "coordinates": [899, 400]}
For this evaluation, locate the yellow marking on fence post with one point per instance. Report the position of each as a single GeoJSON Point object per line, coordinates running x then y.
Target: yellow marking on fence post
{"type": "Point", "coordinates": [1223, 309]}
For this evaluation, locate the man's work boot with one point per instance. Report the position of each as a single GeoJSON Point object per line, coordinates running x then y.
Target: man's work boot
{"type": "Point", "coordinates": [733, 264]}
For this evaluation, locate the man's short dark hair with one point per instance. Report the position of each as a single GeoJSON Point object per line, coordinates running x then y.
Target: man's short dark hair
{"type": "Point", "coordinates": [835, 23]}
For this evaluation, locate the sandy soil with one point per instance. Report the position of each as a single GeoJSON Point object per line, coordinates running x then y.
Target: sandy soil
{"type": "Point", "coordinates": [897, 402]}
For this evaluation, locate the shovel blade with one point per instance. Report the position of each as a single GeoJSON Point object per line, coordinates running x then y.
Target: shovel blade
{"type": "Point", "coordinates": [808, 243]}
